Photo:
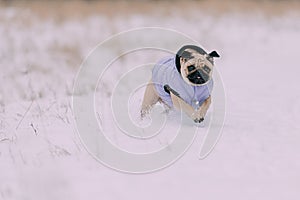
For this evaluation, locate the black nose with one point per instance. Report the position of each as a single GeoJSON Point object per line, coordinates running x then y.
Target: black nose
{"type": "Point", "coordinates": [198, 77]}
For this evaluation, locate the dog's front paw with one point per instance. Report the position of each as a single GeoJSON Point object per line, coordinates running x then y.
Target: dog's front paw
{"type": "Point", "coordinates": [198, 117]}
{"type": "Point", "coordinates": [145, 110]}
{"type": "Point", "coordinates": [198, 120]}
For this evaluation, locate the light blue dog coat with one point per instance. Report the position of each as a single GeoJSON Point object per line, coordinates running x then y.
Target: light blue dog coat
{"type": "Point", "coordinates": [166, 73]}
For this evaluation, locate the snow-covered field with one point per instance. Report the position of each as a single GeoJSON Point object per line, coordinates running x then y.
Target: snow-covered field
{"type": "Point", "coordinates": [257, 157]}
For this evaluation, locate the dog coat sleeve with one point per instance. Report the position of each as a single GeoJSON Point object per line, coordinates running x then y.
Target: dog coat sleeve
{"type": "Point", "coordinates": [161, 74]}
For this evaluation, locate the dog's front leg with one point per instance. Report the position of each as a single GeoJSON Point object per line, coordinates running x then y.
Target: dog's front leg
{"type": "Point", "coordinates": [150, 98]}
{"type": "Point", "coordinates": [202, 110]}
{"type": "Point", "coordinates": [180, 104]}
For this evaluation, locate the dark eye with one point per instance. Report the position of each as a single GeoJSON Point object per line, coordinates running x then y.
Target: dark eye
{"type": "Point", "coordinates": [206, 69]}
{"type": "Point", "coordinates": [191, 68]}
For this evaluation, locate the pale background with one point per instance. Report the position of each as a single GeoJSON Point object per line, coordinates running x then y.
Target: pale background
{"type": "Point", "coordinates": [42, 45]}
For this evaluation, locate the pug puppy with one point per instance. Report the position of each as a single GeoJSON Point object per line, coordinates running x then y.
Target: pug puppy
{"type": "Point", "coordinates": [183, 82]}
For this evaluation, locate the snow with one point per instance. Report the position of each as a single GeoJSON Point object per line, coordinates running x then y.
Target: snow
{"type": "Point", "coordinates": [42, 157]}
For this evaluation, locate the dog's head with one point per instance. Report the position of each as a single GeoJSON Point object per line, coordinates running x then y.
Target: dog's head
{"type": "Point", "coordinates": [195, 65]}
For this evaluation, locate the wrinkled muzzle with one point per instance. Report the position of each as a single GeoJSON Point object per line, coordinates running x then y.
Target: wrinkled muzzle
{"type": "Point", "coordinates": [197, 76]}
{"type": "Point", "coordinates": [195, 65]}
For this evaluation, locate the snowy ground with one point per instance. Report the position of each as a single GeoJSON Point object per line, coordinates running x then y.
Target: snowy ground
{"type": "Point", "coordinates": [41, 156]}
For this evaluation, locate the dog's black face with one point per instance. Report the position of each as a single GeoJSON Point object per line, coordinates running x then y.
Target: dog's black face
{"type": "Point", "coordinates": [195, 68]}
{"type": "Point", "coordinates": [194, 64]}
{"type": "Point", "coordinates": [198, 76]}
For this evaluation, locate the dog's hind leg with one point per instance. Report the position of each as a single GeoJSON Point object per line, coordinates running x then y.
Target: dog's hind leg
{"type": "Point", "coordinates": [150, 98]}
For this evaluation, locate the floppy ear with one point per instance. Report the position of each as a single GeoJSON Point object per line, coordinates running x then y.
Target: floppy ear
{"type": "Point", "coordinates": [214, 54]}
